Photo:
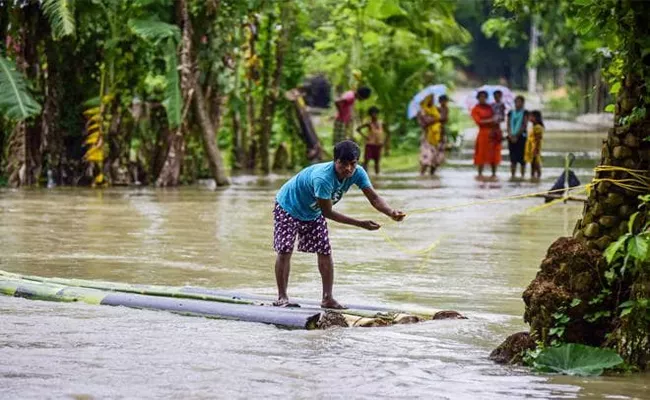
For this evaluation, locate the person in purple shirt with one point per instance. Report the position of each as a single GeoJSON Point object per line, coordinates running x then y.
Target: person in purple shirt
{"type": "Point", "coordinates": [301, 207]}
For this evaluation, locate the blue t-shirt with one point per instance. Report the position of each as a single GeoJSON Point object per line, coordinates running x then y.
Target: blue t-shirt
{"type": "Point", "coordinates": [298, 196]}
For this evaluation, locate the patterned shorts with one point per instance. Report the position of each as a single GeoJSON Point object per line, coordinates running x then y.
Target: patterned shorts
{"type": "Point", "coordinates": [342, 131]}
{"type": "Point", "coordinates": [312, 235]}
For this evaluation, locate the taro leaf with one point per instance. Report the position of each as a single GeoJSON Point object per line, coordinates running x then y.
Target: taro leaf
{"type": "Point", "coordinates": [577, 359]}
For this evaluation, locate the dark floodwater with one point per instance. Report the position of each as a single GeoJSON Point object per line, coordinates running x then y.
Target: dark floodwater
{"type": "Point", "coordinates": [486, 256]}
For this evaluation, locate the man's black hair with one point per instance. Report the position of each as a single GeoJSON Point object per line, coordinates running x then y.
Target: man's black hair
{"type": "Point", "coordinates": [498, 92]}
{"type": "Point", "coordinates": [520, 97]}
{"type": "Point", "coordinates": [443, 98]}
{"type": "Point", "coordinates": [373, 110]}
{"type": "Point", "coordinates": [363, 92]}
{"type": "Point", "coordinates": [346, 151]}
{"type": "Point", "coordinates": [480, 93]}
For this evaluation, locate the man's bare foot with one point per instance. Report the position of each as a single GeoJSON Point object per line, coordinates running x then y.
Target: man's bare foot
{"type": "Point", "coordinates": [493, 178]}
{"type": "Point", "coordinates": [479, 178]}
{"type": "Point", "coordinates": [333, 304]}
{"type": "Point", "coordinates": [281, 302]}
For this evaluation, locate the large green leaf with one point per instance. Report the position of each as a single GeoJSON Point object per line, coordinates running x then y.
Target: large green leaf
{"type": "Point", "coordinates": [173, 102]}
{"type": "Point", "coordinates": [383, 9]}
{"type": "Point", "coordinates": [61, 16]}
{"type": "Point", "coordinates": [577, 359]}
{"type": "Point", "coordinates": [16, 103]}
{"type": "Point", "coordinates": [611, 253]}
{"type": "Point", "coordinates": [637, 247]}
{"type": "Point", "coordinates": [154, 31]}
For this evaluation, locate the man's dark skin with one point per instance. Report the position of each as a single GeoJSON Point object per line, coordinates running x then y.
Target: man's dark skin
{"type": "Point", "coordinates": [325, 263]}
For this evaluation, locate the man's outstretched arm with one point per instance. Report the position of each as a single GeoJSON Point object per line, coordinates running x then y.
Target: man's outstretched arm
{"type": "Point", "coordinates": [380, 204]}
{"type": "Point", "coordinates": [329, 213]}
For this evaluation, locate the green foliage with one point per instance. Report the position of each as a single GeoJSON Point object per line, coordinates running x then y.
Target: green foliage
{"type": "Point", "coordinates": [16, 102]}
{"type": "Point", "coordinates": [507, 31]}
{"type": "Point", "coordinates": [397, 46]}
{"type": "Point", "coordinates": [576, 359]}
{"type": "Point", "coordinates": [61, 16]}
{"type": "Point", "coordinates": [154, 31]}
{"type": "Point", "coordinates": [173, 102]}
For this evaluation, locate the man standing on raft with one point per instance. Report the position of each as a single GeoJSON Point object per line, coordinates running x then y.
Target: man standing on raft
{"type": "Point", "coordinates": [303, 203]}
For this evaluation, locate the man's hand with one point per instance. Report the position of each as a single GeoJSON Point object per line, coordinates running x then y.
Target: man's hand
{"type": "Point", "coordinates": [397, 215]}
{"type": "Point", "coordinates": [370, 225]}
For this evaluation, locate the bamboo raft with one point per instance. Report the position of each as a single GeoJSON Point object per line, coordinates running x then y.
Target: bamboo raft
{"type": "Point", "coordinates": [210, 303]}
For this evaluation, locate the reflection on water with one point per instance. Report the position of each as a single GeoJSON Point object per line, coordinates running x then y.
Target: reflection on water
{"type": "Point", "coordinates": [486, 256]}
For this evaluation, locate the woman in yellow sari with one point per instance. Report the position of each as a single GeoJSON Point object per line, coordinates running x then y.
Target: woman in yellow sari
{"type": "Point", "coordinates": [533, 153]}
{"type": "Point", "coordinates": [432, 152]}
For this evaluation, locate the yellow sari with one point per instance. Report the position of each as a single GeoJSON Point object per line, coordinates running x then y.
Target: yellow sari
{"type": "Point", "coordinates": [433, 132]}
{"type": "Point", "coordinates": [533, 151]}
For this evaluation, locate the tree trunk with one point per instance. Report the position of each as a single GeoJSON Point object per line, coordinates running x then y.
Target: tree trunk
{"type": "Point", "coordinates": [248, 144]}
{"type": "Point", "coordinates": [532, 71]}
{"type": "Point", "coordinates": [252, 75]}
{"type": "Point", "coordinates": [190, 86]}
{"type": "Point", "coordinates": [610, 206]}
{"type": "Point", "coordinates": [171, 169]}
{"type": "Point", "coordinates": [52, 145]}
{"type": "Point", "coordinates": [271, 97]}
{"type": "Point", "coordinates": [24, 167]}
{"type": "Point", "coordinates": [16, 163]}
{"type": "Point", "coordinates": [209, 138]}
{"type": "Point", "coordinates": [239, 152]}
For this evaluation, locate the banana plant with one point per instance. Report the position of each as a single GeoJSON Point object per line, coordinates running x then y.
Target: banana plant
{"type": "Point", "coordinates": [16, 102]}
{"type": "Point", "coordinates": [165, 36]}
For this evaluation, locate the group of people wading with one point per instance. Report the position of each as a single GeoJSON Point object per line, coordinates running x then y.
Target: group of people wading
{"type": "Point", "coordinates": [525, 148]}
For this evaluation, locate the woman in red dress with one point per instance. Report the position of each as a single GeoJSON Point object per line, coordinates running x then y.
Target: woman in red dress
{"type": "Point", "coordinates": [488, 146]}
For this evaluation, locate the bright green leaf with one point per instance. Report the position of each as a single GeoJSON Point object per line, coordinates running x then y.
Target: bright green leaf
{"type": "Point", "coordinates": [615, 88]}
{"type": "Point", "coordinates": [173, 102]}
{"type": "Point", "coordinates": [577, 359]}
{"type": "Point", "coordinates": [630, 223]}
{"type": "Point", "coordinates": [610, 108]}
{"type": "Point", "coordinates": [384, 9]}
{"type": "Point", "coordinates": [61, 16]}
{"type": "Point", "coordinates": [613, 249]}
{"type": "Point", "coordinates": [16, 103]}
{"type": "Point", "coordinates": [637, 247]}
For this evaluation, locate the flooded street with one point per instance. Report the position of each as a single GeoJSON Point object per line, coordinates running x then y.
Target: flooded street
{"type": "Point", "coordinates": [485, 257]}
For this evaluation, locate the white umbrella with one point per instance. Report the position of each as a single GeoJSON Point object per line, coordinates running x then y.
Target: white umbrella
{"type": "Point", "coordinates": [414, 104]}
{"type": "Point", "coordinates": [508, 97]}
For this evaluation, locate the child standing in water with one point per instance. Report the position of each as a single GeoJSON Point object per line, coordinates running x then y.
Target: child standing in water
{"type": "Point", "coordinates": [534, 145]}
{"type": "Point", "coordinates": [499, 110]}
{"type": "Point", "coordinates": [374, 139]}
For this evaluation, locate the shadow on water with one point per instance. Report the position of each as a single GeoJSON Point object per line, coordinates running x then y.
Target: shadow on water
{"type": "Point", "coordinates": [486, 256]}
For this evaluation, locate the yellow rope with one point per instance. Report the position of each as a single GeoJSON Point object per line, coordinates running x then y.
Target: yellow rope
{"type": "Point", "coordinates": [417, 252]}
{"type": "Point", "coordinates": [638, 183]}
{"type": "Point", "coordinates": [490, 201]}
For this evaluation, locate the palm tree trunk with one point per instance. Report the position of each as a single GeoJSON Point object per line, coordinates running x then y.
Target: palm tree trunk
{"type": "Point", "coordinates": [610, 206]}
{"type": "Point", "coordinates": [271, 98]}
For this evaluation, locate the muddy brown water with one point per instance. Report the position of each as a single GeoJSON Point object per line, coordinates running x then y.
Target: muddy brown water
{"type": "Point", "coordinates": [486, 256]}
